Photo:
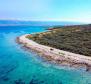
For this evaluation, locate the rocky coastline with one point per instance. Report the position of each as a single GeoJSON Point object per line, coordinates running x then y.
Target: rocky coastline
{"type": "Point", "coordinates": [55, 55]}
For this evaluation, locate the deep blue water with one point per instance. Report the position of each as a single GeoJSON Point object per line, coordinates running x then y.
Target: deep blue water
{"type": "Point", "coordinates": [18, 66]}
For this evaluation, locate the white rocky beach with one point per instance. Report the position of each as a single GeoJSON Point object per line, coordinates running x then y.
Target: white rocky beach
{"type": "Point", "coordinates": [56, 55]}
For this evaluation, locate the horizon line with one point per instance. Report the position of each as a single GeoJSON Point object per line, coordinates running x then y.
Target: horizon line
{"type": "Point", "coordinates": [66, 20]}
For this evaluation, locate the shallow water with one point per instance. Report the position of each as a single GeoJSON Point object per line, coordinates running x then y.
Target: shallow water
{"type": "Point", "coordinates": [18, 66]}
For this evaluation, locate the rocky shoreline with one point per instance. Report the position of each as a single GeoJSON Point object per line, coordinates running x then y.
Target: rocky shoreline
{"type": "Point", "coordinates": [55, 55]}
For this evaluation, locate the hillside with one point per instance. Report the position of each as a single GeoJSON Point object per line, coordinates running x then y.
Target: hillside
{"type": "Point", "coordinates": [76, 39]}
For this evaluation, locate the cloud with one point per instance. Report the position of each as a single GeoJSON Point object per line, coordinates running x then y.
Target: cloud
{"type": "Point", "coordinates": [46, 10]}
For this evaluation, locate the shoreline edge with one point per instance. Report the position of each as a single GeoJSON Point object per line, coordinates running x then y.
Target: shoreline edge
{"type": "Point", "coordinates": [55, 55]}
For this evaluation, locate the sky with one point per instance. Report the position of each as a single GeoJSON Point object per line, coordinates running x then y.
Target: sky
{"type": "Point", "coordinates": [46, 10]}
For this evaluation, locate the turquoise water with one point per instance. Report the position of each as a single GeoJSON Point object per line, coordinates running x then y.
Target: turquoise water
{"type": "Point", "coordinates": [18, 66]}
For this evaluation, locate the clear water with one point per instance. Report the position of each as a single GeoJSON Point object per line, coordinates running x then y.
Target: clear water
{"type": "Point", "coordinates": [18, 66]}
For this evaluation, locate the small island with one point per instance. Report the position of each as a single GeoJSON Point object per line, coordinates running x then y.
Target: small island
{"type": "Point", "coordinates": [65, 45]}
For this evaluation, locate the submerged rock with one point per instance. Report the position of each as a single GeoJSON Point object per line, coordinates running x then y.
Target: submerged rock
{"type": "Point", "coordinates": [36, 81]}
{"type": "Point", "coordinates": [19, 82]}
{"type": "Point", "coordinates": [6, 79]}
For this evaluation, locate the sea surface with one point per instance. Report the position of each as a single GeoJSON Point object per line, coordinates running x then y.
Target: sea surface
{"type": "Point", "coordinates": [21, 66]}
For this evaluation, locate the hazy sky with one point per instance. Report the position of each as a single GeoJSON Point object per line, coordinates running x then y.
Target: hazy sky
{"type": "Point", "coordinates": [61, 10]}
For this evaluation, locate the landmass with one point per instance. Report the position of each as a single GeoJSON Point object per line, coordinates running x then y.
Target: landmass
{"type": "Point", "coordinates": [66, 45]}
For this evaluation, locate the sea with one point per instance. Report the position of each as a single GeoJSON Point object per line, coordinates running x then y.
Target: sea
{"type": "Point", "coordinates": [21, 66]}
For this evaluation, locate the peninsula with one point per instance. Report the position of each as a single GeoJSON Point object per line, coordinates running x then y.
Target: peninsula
{"type": "Point", "coordinates": [66, 45]}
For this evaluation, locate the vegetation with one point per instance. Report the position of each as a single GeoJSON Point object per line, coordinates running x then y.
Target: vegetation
{"type": "Point", "coordinates": [76, 39]}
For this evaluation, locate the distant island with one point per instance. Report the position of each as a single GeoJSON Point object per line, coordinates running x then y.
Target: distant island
{"type": "Point", "coordinates": [36, 23]}
{"type": "Point", "coordinates": [66, 45]}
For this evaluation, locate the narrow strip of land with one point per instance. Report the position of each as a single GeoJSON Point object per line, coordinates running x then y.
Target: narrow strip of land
{"type": "Point", "coordinates": [56, 55]}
